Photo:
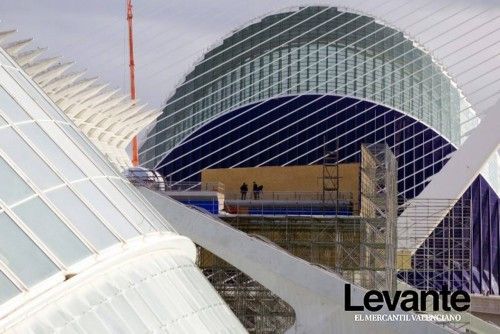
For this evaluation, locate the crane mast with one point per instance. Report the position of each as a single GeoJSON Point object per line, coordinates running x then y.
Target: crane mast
{"type": "Point", "coordinates": [135, 146]}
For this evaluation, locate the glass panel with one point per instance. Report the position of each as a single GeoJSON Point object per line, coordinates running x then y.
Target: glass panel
{"type": "Point", "coordinates": [12, 186]}
{"type": "Point", "coordinates": [35, 95]}
{"type": "Point", "coordinates": [52, 151]}
{"type": "Point", "coordinates": [29, 162]}
{"type": "Point", "coordinates": [82, 218]}
{"type": "Point", "coordinates": [4, 60]}
{"type": "Point", "coordinates": [20, 95]}
{"type": "Point", "coordinates": [21, 254]}
{"type": "Point", "coordinates": [70, 150]}
{"type": "Point", "coordinates": [144, 209]}
{"type": "Point", "coordinates": [90, 151]}
{"type": "Point", "coordinates": [124, 204]}
{"type": "Point", "coordinates": [7, 288]}
{"type": "Point", "coordinates": [106, 209]}
{"type": "Point", "coordinates": [52, 231]}
{"type": "Point", "coordinates": [9, 106]}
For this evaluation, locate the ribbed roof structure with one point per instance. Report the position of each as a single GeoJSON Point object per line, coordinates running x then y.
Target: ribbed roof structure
{"type": "Point", "coordinates": [305, 51]}
{"type": "Point", "coordinates": [109, 118]}
{"type": "Point", "coordinates": [81, 251]}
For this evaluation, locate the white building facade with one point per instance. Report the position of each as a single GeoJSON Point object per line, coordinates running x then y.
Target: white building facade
{"type": "Point", "coordinates": [80, 249]}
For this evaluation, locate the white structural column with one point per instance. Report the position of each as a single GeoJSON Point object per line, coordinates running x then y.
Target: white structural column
{"type": "Point", "coordinates": [316, 295]}
{"type": "Point", "coordinates": [451, 182]}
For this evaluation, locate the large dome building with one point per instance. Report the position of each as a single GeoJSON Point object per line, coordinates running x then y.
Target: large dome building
{"type": "Point", "coordinates": [283, 90]}
{"type": "Point", "coordinates": [305, 78]}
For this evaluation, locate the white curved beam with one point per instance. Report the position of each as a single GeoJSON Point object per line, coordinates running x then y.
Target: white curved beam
{"type": "Point", "coordinates": [98, 113]}
{"type": "Point", "coordinates": [40, 66]}
{"type": "Point", "coordinates": [27, 57]}
{"type": "Point", "coordinates": [62, 81]}
{"type": "Point", "coordinates": [132, 123]}
{"type": "Point", "coordinates": [52, 73]}
{"type": "Point", "coordinates": [75, 88]}
{"type": "Point", "coordinates": [78, 110]}
{"type": "Point", "coordinates": [119, 118]}
{"type": "Point", "coordinates": [87, 97]}
{"type": "Point", "coordinates": [315, 294]}
{"type": "Point", "coordinates": [14, 47]}
{"type": "Point", "coordinates": [451, 182]}
{"type": "Point", "coordinates": [6, 33]}
{"type": "Point", "coordinates": [125, 120]}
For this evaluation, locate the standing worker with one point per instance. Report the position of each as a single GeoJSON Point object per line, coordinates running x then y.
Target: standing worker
{"type": "Point", "coordinates": [244, 190]}
{"type": "Point", "coordinates": [255, 191]}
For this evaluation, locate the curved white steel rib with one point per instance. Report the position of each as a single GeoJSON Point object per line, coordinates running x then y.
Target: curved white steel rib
{"type": "Point", "coordinates": [116, 294]}
{"type": "Point", "coordinates": [108, 118]}
{"type": "Point", "coordinates": [314, 293]}
{"type": "Point", "coordinates": [451, 182]}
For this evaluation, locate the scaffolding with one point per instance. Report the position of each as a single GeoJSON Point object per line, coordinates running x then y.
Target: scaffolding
{"type": "Point", "coordinates": [379, 209]}
{"type": "Point", "coordinates": [258, 309]}
{"type": "Point", "coordinates": [444, 259]}
{"type": "Point", "coordinates": [330, 178]}
{"type": "Point", "coordinates": [362, 248]}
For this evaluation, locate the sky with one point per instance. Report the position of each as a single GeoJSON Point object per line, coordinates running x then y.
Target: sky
{"type": "Point", "coordinates": [170, 36]}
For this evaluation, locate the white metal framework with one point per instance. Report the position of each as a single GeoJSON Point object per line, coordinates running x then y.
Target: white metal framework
{"type": "Point", "coordinates": [108, 118]}
{"type": "Point", "coordinates": [452, 181]}
{"type": "Point", "coordinates": [69, 222]}
{"type": "Point", "coordinates": [146, 290]}
{"type": "Point", "coordinates": [327, 51]}
{"type": "Point", "coordinates": [314, 293]}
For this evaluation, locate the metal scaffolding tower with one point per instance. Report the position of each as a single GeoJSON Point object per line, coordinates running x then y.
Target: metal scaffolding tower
{"type": "Point", "coordinates": [258, 309]}
{"type": "Point", "coordinates": [331, 178]}
{"type": "Point", "coordinates": [379, 210]}
{"type": "Point", "coordinates": [362, 247]}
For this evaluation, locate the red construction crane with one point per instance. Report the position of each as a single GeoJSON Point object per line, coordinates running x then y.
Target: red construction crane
{"type": "Point", "coordinates": [135, 146]}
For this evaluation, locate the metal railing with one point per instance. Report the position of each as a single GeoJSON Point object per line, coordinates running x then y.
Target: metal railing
{"type": "Point", "coordinates": [288, 196]}
{"type": "Point", "coordinates": [194, 186]}
{"type": "Point", "coordinates": [263, 203]}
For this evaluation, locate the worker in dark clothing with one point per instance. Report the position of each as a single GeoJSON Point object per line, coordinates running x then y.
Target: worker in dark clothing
{"type": "Point", "coordinates": [255, 190]}
{"type": "Point", "coordinates": [244, 190]}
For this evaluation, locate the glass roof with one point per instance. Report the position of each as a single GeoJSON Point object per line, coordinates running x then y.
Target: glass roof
{"type": "Point", "coordinates": [60, 200]}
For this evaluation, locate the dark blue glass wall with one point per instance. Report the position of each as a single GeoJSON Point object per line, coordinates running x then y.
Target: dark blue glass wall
{"type": "Point", "coordinates": [228, 141]}
{"type": "Point", "coordinates": [486, 237]}
{"type": "Point", "coordinates": [452, 239]}
{"type": "Point", "coordinates": [278, 139]}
